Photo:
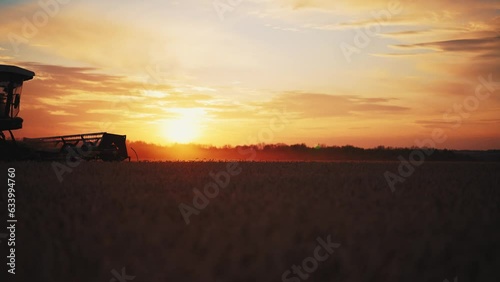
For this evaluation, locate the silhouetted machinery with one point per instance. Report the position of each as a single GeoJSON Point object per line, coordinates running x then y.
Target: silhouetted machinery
{"type": "Point", "coordinates": [91, 146]}
{"type": "Point", "coordinates": [11, 86]}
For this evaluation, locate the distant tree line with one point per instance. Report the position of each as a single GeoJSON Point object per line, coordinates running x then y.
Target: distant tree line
{"type": "Point", "coordinates": [298, 152]}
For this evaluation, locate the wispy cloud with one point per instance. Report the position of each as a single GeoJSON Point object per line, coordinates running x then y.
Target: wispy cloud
{"type": "Point", "coordinates": [316, 105]}
{"type": "Point", "coordinates": [459, 45]}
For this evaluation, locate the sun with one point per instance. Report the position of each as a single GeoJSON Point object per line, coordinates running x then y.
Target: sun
{"type": "Point", "coordinates": [182, 130]}
{"type": "Point", "coordinates": [186, 128]}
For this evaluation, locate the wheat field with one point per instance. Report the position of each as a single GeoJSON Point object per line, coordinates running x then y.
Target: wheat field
{"type": "Point", "coordinates": [105, 218]}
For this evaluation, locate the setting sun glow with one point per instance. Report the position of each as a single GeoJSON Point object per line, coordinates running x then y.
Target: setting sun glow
{"type": "Point", "coordinates": [184, 129]}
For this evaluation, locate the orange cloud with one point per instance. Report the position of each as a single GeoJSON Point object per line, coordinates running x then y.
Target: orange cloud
{"type": "Point", "coordinates": [314, 105]}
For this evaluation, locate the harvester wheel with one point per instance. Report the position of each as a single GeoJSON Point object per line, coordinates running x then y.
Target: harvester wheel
{"type": "Point", "coordinates": [87, 147]}
{"type": "Point", "coordinates": [69, 150]}
{"type": "Point", "coordinates": [110, 157]}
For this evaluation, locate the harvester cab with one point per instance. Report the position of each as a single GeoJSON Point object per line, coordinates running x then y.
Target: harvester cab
{"type": "Point", "coordinates": [11, 86]}
{"type": "Point", "coordinates": [90, 146]}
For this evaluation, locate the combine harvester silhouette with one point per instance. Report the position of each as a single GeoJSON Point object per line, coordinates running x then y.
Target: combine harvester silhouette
{"type": "Point", "coordinates": [90, 146]}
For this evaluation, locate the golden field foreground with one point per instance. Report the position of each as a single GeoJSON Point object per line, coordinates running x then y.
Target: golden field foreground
{"type": "Point", "coordinates": [276, 221]}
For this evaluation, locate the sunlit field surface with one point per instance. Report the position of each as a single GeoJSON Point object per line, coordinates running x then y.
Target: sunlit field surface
{"type": "Point", "coordinates": [442, 222]}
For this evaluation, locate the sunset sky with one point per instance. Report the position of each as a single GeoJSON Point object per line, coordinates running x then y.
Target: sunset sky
{"type": "Point", "coordinates": [357, 72]}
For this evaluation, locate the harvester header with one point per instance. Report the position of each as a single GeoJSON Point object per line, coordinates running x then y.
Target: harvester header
{"type": "Point", "coordinates": [90, 146]}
